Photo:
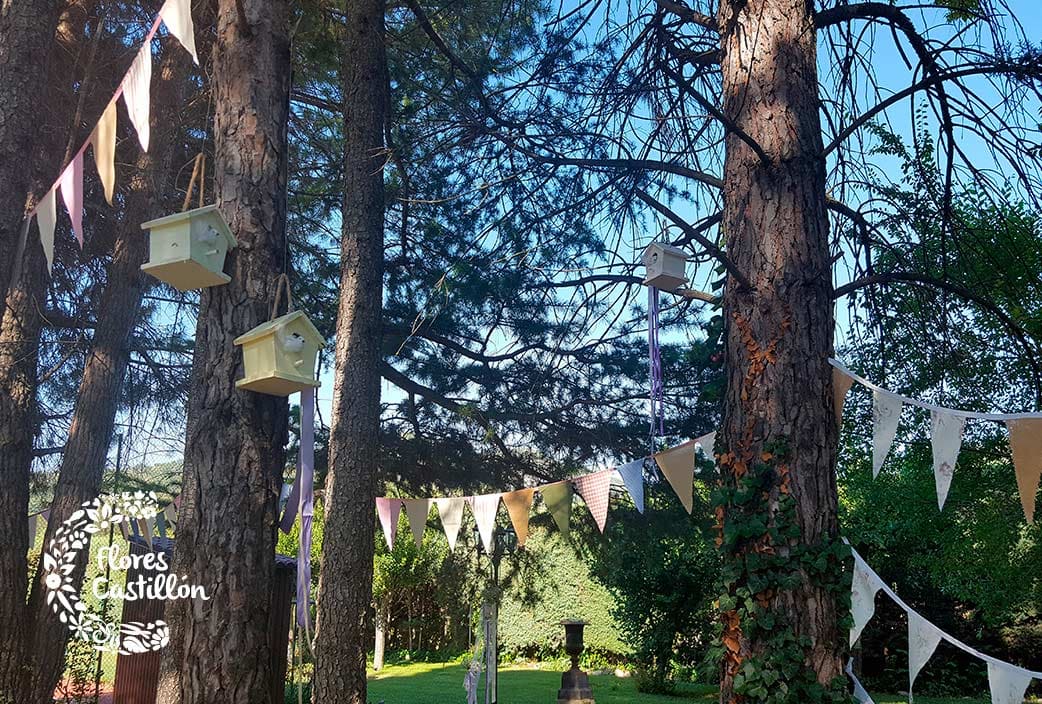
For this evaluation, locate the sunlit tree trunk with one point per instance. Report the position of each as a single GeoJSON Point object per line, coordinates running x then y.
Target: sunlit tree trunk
{"type": "Point", "coordinates": [346, 583]}
{"type": "Point", "coordinates": [778, 445]}
{"type": "Point", "coordinates": [235, 445]}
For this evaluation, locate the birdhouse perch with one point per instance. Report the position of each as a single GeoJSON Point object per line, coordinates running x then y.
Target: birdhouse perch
{"type": "Point", "coordinates": [187, 250]}
{"type": "Point", "coordinates": [280, 356]}
{"type": "Point", "coordinates": [664, 266]}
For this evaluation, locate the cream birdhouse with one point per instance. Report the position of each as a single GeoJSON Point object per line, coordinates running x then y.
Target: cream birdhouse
{"type": "Point", "coordinates": [187, 250]}
{"type": "Point", "coordinates": [280, 355]}
{"type": "Point", "coordinates": [664, 266]}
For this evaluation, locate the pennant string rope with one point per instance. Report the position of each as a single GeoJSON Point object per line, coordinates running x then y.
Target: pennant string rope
{"type": "Point", "coordinates": [931, 406]}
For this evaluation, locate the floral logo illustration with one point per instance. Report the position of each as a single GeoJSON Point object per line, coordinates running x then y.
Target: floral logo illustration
{"type": "Point", "coordinates": [59, 564]}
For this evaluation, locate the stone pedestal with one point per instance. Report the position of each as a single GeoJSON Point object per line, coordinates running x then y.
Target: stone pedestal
{"type": "Point", "coordinates": [575, 688]}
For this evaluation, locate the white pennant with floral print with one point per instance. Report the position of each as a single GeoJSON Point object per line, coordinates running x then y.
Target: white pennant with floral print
{"type": "Point", "coordinates": [1008, 683]}
{"type": "Point", "coordinates": [451, 513]}
{"type": "Point", "coordinates": [946, 437]}
{"type": "Point", "coordinates": [864, 588]}
{"type": "Point", "coordinates": [923, 638]}
{"type": "Point", "coordinates": [886, 412]}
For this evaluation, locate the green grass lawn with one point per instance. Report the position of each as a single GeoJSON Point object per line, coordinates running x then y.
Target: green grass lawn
{"type": "Point", "coordinates": [426, 683]}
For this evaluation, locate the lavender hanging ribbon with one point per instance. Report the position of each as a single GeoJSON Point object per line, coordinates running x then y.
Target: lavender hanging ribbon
{"type": "Point", "coordinates": [655, 366]}
{"type": "Point", "coordinates": [301, 500]}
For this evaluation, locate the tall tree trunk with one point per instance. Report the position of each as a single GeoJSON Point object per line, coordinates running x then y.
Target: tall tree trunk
{"type": "Point", "coordinates": [380, 644]}
{"type": "Point", "coordinates": [778, 510]}
{"type": "Point", "coordinates": [346, 584]}
{"type": "Point", "coordinates": [21, 319]}
{"type": "Point", "coordinates": [26, 34]}
{"type": "Point", "coordinates": [235, 444]}
{"type": "Point", "coordinates": [94, 413]}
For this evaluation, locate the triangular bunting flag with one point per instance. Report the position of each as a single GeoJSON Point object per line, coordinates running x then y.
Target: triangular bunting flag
{"type": "Point", "coordinates": [124, 531]}
{"type": "Point", "coordinates": [161, 524]}
{"type": "Point", "coordinates": [707, 442]}
{"type": "Point", "coordinates": [485, 508]}
{"type": "Point", "coordinates": [171, 513]}
{"type": "Point", "coordinates": [145, 525]}
{"type": "Point", "coordinates": [595, 489]}
{"type": "Point", "coordinates": [137, 87]}
{"type": "Point", "coordinates": [519, 506]}
{"type": "Point", "coordinates": [389, 511]}
{"type": "Point", "coordinates": [886, 412]}
{"type": "Point", "coordinates": [946, 436]}
{"type": "Point", "coordinates": [841, 383]}
{"type": "Point", "coordinates": [923, 638]}
{"type": "Point", "coordinates": [1025, 440]}
{"type": "Point", "coordinates": [72, 194]}
{"type": "Point", "coordinates": [862, 599]}
{"type": "Point", "coordinates": [678, 466]}
{"type": "Point", "coordinates": [103, 139]}
{"type": "Point", "coordinates": [632, 474]}
{"type": "Point", "coordinates": [46, 219]}
{"type": "Point", "coordinates": [558, 500]}
{"type": "Point", "coordinates": [1009, 684]}
{"type": "Point", "coordinates": [32, 530]}
{"type": "Point", "coordinates": [417, 510]}
{"type": "Point", "coordinates": [451, 513]}
{"type": "Point", "coordinates": [46, 515]}
{"type": "Point", "coordinates": [177, 16]}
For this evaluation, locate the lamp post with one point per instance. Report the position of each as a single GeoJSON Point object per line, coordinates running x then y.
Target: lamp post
{"type": "Point", "coordinates": [504, 542]}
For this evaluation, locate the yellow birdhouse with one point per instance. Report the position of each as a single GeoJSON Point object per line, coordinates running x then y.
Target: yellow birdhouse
{"type": "Point", "coordinates": [280, 355]}
{"type": "Point", "coordinates": [187, 250]}
{"type": "Point", "coordinates": [664, 266]}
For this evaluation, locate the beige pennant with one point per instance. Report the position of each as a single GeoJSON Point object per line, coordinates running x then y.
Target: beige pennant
{"type": "Point", "coordinates": [103, 139]}
{"type": "Point", "coordinates": [558, 500]}
{"type": "Point", "coordinates": [451, 513]}
{"type": "Point", "coordinates": [46, 219]}
{"type": "Point", "coordinates": [519, 506]}
{"type": "Point", "coordinates": [1025, 440]}
{"type": "Point", "coordinates": [417, 510]}
{"type": "Point", "coordinates": [177, 16]}
{"type": "Point", "coordinates": [841, 383]}
{"type": "Point", "coordinates": [678, 466]}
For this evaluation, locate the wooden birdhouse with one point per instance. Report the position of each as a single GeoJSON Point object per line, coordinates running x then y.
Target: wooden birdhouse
{"type": "Point", "coordinates": [187, 250]}
{"type": "Point", "coordinates": [664, 266]}
{"type": "Point", "coordinates": [280, 355]}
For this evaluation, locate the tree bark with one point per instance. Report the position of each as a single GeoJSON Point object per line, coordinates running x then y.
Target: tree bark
{"type": "Point", "coordinates": [380, 644]}
{"type": "Point", "coordinates": [235, 443]}
{"type": "Point", "coordinates": [26, 34]}
{"type": "Point", "coordinates": [345, 587]}
{"type": "Point", "coordinates": [97, 399]}
{"type": "Point", "coordinates": [777, 453]}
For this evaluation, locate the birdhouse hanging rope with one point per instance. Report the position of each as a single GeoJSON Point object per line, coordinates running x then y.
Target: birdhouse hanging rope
{"type": "Point", "coordinates": [655, 368]}
{"type": "Point", "coordinates": [198, 172]}
{"type": "Point", "coordinates": [281, 284]}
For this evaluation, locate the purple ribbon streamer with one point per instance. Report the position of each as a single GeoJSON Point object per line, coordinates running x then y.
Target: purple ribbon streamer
{"type": "Point", "coordinates": [301, 500]}
{"type": "Point", "coordinates": [655, 366]}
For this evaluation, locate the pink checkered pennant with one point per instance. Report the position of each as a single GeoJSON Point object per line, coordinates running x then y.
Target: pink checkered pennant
{"type": "Point", "coordinates": [595, 489]}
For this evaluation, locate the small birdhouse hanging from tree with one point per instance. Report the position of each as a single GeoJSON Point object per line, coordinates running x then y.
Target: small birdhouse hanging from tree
{"type": "Point", "coordinates": [187, 250]}
{"type": "Point", "coordinates": [280, 356]}
{"type": "Point", "coordinates": [664, 266]}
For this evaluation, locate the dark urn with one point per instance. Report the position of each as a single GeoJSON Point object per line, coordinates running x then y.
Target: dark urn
{"type": "Point", "coordinates": [575, 684]}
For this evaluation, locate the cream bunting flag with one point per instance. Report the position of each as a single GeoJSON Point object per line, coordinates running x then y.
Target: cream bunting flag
{"type": "Point", "coordinates": [171, 514]}
{"type": "Point", "coordinates": [72, 194]}
{"type": "Point", "coordinates": [519, 506]}
{"type": "Point", "coordinates": [417, 510]}
{"type": "Point", "coordinates": [632, 474]}
{"type": "Point", "coordinates": [177, 16]}
{"type": "Point", "coordinates": [946, 437]}
{"type": "Point", "coordinates": [1025, 440]}
{"type": "Point", "coordinates": [859, 691]}
{"type": "Point", "coordinates": [389, 511]}
{"type": "Point", "coordinates": [558, 500]}
{"type": "Point", "coordinates": [678, 466]}
{"type": "Point", "coordinates": [46, 219]}
{"type": "Point", "coordinates": [451, 513]}
{"type": "Point", "coordinates": [841, 383]}
{"type": "Point", "coordinates": [862, 598]}
{"type": "Point", "coordinates": [485, 508]}
{"type": "Point", "coordinates": [595, 489]}
{"type": "Point", "coordinates": [137, 87]}
{"type": "Point", "coordinates": [707, 442]}
{"type": "Point", "coordinates": [886, 412]}
{"type": "Point", "coordinates": [103, 139]}
{"type": "Point", "coordinates": [923, 638]}
{"type": "Point", "coordinates": [1008, 683]}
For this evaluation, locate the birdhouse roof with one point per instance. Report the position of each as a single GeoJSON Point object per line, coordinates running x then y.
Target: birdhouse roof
{"type": "Point", "coordinates": [664, 247]}
{"type": "Point", "coordinates": [272, 326]}
{"type": "Point", "coordinates": [208, 212]}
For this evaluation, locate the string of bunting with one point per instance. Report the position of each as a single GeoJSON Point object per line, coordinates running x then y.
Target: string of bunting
{"type": "Point", "coordinates": [946, 430]}
{"type": "Point", "coordinates": [677, 465]}
{"type": "Point", "coordinates": [163, 522]}
{"type": "Point", "coordinates": [1008, 683]}
{"type": "Point", "coordinates": [135, 89]}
